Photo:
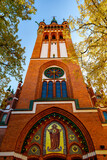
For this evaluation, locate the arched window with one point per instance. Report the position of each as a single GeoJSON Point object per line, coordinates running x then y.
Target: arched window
{"type": "Point", "coordinates": [58, 89]}
{"type": "Point", "coordinates": [54, 84]}
{"type": "Point", "coordinates": [50, 89]}
{"type": "Point", "coordinates": [44, 89]}
{"type": "Point", "coordinates": [64, 89]}
{"type": "Point", "coordinates": [46, 36]}
{"type": "Point", "coordinates": [53, 37]}
{"type": "Point", "coordinates": [60, 37]}
{"type": "Point", "coordinates": [3, 118]}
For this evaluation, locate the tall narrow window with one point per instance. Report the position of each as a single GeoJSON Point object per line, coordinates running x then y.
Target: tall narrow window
{"type": "Point", "coordinates": [64, 89]}
{"type": "Point", "coordinates": [53, 37]}
{"type": "Point", "coordinates": [58, 89]}
{"type": "Point", "coordinates": [4, 118]}
{"type": "Point", "coordinates": [105, 115]}
{"type": "Point", "coordinates": [44, 89]}
{"type": "Point", "coordinates": [50, 89]}
{"type": "Point", "coordinates": [46, 36]}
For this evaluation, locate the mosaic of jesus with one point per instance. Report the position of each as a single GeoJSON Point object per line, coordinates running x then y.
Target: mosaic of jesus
{"type": "Point", "coordinates": [54, 138]}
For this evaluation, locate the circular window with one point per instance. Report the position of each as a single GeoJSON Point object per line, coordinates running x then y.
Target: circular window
{"type": "Point", "coordinates": [54, 72]}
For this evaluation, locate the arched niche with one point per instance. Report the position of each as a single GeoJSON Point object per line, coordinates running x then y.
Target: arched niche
{"type": "Point", "coordinates": [54, 139]}
{"type": "Point", "coordinates": [40, 76]}
{"type": "Point", "coordinates": [38, 124]}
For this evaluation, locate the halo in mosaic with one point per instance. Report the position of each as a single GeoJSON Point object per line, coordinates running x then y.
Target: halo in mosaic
{"type": "Point", "coordinates": [34, 150]}
{"type": "Point", "coordinates": [75, 150]}
{"type": "Point", "coordinates": [54, 72]}
{"type": "Point", "coordinates": [54, 139]}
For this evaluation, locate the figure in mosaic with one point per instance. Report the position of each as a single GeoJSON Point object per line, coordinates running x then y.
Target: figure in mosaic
{"type": "Point", "coordinates": [54, 137]}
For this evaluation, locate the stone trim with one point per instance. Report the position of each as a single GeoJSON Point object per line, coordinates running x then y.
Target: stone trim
{"type": "Point", "coordinates": [101, 151]}
{"type": "Point", "coordinates": [6, 110]}
{"type": "Point", "coordinates": [15, 98]}
{"type": "Point", "coordinates": [91, 154]}
{"type": "Point", "coordinates": [104, 125]}
{"type": "Point", "coordinates": [17, 155]}
{"type": "Point", "coordinates": [3, 126]}
{"type": "Point", "coordinates": [58, 102]}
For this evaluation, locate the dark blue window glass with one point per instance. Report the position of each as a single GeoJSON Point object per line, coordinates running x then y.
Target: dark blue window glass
{"type": "Point", "coordinates": [58, 89]}
{"type": "Point", "coordinates": [64, 89]}
{"type": "Point", "coordinates": [105, 115]}
{"type": "Point", "coordinates": [44, 89]}
{"type": "Point", "coordinates": [50, 89]}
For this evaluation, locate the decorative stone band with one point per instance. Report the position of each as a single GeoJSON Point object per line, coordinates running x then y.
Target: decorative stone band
{"type": "Point", "coordinates": [3, 126]}
{"type": "Point", "coordinates": [97, 152]}
{"type": "Point", "coordinates": [17, 155]}
{"type": "Point", "coordinates": [58, 102]}
{"type": "Point", "coordinates": [104, 125]}
{"type": "Point", "coordinates": [6, 110]}
{"type": "Point", "coordinates": [91, 154]}
{"type": "Point", "coordinates": [15, 98]}
{"type": "Point", "coordinates": [93, 96]}
{"type": "Point", "coordinates": [18, 88]}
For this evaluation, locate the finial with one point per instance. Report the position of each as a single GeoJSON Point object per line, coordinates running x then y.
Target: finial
{"type": "Point", "coordinates": [9, 89]}
{"type": "Point", "coordinates": [37, 23]}
{"type": "Point", "coordinates": [63, 19]}
{"type": "Point", "coordinates": [53, 20]}
{"type": "Point", "coordinates": [43, 20]}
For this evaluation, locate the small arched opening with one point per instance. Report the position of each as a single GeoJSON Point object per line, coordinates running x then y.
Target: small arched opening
{"type": "Point", "coordinates": [53, 37]}
{"type": "Point", "coordinates": [46, 37]}
{"type": "Point", "coordinates": [60, 37]}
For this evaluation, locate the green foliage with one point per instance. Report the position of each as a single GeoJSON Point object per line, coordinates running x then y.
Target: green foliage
{"type": "Point", "coordinates": [92, 27]}
{"type": "Point", "coordinates": [11, 53]}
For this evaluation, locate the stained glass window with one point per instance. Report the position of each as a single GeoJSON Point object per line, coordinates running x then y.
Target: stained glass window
{"type": "Point", "coordinates": [105, 115]}
{"type": "Point", "coordinates": [64, 89]}
{"type": "Point", "coordinates": [54, 72]}
{"type": "Point", "coordinates": [44, 89]}
{"type": "Point", "coordinates": [50, 89]}
{"type": "Point", "coordinates": [58, 89]}
{"type": "Point", "coordinates": [4, 118]}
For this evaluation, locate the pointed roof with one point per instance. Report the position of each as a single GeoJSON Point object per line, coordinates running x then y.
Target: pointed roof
{"type": "Point", "coordinates": [54, 20]}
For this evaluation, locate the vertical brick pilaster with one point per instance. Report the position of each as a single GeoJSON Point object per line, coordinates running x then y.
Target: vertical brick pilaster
{"type": "Point", "coordinates": [49, 45]}
{"type": "Point", "coordinates": [58, 49]}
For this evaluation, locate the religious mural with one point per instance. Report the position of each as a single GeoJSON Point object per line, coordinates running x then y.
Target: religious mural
{"type": "Point", "coordinates": [54, 139]}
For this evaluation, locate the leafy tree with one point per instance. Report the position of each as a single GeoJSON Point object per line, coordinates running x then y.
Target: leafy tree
{"type": "Point", "coordinates": [11, 53]}
{"type": "Point", "coordinates": [92, 27]}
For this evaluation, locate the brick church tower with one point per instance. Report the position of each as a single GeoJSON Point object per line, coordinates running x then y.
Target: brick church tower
{"type": "Point", "coordinates": [52, 116]}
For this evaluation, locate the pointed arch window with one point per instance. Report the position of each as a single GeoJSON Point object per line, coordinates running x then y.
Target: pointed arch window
{"type": "Point", "coordinates": [105, 115]}
{"type": "Point", "coordinates": [53, 37]}
{"type": "Point", "coordinates": [46, 37]}
{"type": "Point", "coordinates": [64, 89]}
{"type": "Point", "coordinates": [44, 89]}
{"type": "Point", "coordinates": [54, 84]}
{"type": "Point", "coordinates": [50, 89]}
{"type": "Point", "coordinates": [58, 89]}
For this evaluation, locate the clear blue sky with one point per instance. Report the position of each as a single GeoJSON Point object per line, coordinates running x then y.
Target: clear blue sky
{"type": "Point", "coordinates": [46, 9]}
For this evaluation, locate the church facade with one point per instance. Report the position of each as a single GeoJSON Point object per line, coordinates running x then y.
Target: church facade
{"type": "Point", "coordinates": [53, 116]}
